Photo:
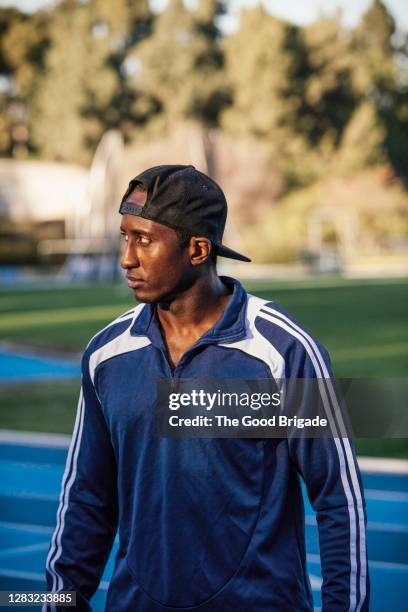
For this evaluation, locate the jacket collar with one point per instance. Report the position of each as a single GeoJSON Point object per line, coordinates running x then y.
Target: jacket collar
{"type": "Point", "coordinates": [229, 328]}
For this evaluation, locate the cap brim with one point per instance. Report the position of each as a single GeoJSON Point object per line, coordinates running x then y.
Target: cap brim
{"type": "Point", "coordinates": [224, 251]}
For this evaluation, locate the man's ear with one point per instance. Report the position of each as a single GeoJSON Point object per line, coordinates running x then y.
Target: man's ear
{"type": "Point", "coordinates": [199, 250]}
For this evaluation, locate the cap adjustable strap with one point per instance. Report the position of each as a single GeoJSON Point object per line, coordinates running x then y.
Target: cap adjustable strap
{"type": "Point", "coordinates": [130, 208]}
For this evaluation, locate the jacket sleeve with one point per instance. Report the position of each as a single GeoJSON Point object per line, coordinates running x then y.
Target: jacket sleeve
{"type": "Point", "coordinates": [329, 468]}
{"type": "Point", "coordinates": [87, 513]}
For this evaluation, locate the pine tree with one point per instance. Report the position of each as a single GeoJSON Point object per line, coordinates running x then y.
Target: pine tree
{"type": "Point", "coordinates": [261, 64]}
{"type": "Point", "coordinates": [329, 99]}
{"type": "Point", "coordinates": [77, 98]}
{"type": "Point", "coordinates": [374, 51]}
{"type": "Point", "coordinates": [381, 77]}
{"type": "Point", "coordinates": [181, 64]}
{"type": "Point", "coordinates": [24, 41]}
{"type": "Point", "coordinates": [362, 143]}
{"type": "Point", "coordinates": [61, 94]}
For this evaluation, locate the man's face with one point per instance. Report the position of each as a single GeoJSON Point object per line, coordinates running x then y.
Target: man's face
{"type": "Point", "coordinates": [157, 267]}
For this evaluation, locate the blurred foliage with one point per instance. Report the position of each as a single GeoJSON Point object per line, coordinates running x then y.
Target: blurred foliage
{"type": "Point", "coordinates": [63, 70]}
{"type": "Point", "coordinates": [381, 223]}
{"type": "Point", "coordinates": [261, 69]}
{"type": "Point", "coordinates": [321, 100]}
{"type": "Point", "coordinates": [181, 64]}
{"type": "Point", "coordinates": [71, 72]}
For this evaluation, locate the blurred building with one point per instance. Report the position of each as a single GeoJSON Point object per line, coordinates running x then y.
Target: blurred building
{"type": "Point", "coordinates": [62, 213]}
{"type": "Point", "coordinates": [38, 192]}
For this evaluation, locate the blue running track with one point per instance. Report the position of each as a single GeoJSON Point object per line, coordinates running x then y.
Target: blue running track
{"type": "Point", "coordinates": [31, 469]}
{"type": "Point", "coordinates": [22, 367]}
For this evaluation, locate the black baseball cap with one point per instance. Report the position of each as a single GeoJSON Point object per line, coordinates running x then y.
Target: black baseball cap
{"type": "Point", "coordinates": [184, 199]}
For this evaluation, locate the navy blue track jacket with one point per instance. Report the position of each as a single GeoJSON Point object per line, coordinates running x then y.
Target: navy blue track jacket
{"type": "Point", "coordinates": [209, 524]}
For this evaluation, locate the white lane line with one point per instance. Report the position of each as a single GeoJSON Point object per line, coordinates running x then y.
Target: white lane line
{"type": "Point", "coordinates": [380, 465]}
{"type": "Point", "coordinates": [29, 438]}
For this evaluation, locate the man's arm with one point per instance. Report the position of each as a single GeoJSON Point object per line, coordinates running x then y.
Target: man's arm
{"type": "Point", "coordinates": [331, 474]}
{"type": "Point", "coordinates": [87, 513]}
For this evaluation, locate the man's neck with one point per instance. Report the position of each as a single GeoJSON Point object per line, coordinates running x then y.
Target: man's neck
{"type": "Point", "coordinates": [188, 316]}
{"type": "Point", "coordinates": [196, 310]}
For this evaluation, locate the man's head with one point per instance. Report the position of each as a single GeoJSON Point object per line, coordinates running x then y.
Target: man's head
{"type": "Point", "coordinates": [173, 220]}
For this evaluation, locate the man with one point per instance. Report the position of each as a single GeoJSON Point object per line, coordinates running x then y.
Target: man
{"type": "Point", "coordinates": [209, 524]}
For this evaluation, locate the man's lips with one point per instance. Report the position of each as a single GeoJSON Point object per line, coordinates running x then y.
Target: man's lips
{"type": "Point", "coordinates": [134, 281]}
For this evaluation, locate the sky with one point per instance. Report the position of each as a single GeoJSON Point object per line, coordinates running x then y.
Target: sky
{"type": "Point", "coordinates": [299, 12]}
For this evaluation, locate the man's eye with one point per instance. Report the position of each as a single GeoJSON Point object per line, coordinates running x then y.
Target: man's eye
{"type": "Point", "coordinates": [144, 240]}
{"type": "Point", "coordinates": [123, 236]}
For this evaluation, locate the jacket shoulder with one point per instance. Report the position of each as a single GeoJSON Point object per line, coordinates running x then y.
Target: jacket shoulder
{"type": "Point", "coordinates": [302, 354]}
{"type": "Point", "coordinates": [114, 329]}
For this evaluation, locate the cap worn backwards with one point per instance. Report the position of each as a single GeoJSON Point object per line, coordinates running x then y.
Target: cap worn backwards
{"type": "Point", "coordinates": [183, 198]}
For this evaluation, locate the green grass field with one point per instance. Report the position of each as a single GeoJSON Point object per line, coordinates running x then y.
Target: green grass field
{"type": "Point", "coordinates": [362, 323]}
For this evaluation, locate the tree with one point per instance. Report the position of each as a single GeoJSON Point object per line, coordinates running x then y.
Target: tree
{"type": "Point", "coordinates": [181, 64]}
{"type": "Point", "coordinates": [258, 73]}
{"type": "Point", "coordinates": [22, 49]}
{"type": "Point", "coordinates": [374, 49]}
{"type": "Point", "coordinates": [381, 77]}
{"type": "Point", "coordinates": [262, 69]}
{"type": "Point", "coordinates": [329, 99]}
{"type": "Point", "coordinates": [61, 94]}
{"type": "Point", "coordinates": [362, 143]}
{"type": "Point", "coordinates": [83, 91]}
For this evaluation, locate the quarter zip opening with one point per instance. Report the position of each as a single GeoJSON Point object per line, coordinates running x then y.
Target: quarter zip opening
{"type": "Point", "coordinates": [205, 340]}
{"type": "Point", "coordinates": [175, 373]}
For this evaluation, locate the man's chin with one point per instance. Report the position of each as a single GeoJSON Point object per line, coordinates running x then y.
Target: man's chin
{"type": "Point", "coordinates": [144, 296]}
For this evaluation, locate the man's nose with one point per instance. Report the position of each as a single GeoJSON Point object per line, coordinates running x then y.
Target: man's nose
{"type": "Point", "coordinates": [129, 257]}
